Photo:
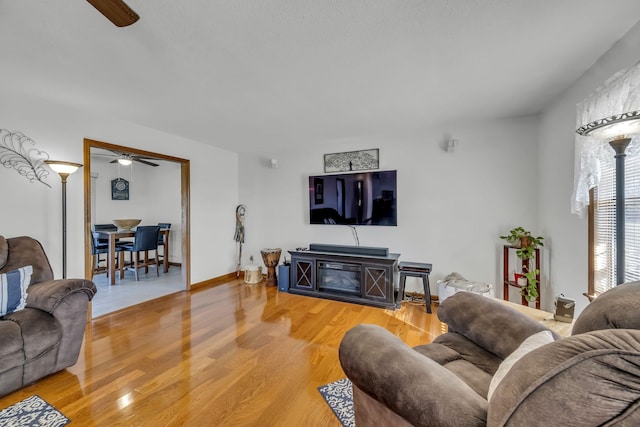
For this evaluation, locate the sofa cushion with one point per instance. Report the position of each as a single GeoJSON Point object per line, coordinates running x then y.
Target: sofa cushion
{"type": "Point", "coordinates": [40, 331]}
{"type": "Point", "coordinates": [13, 289]}
{"type": "Point", "coordinates": [530, 344]}
{"type": "Point", "coordinates": [465, 349]}
{"type": "Point", "coordinates": [468, 361]}
{"type": "Point", "coordinates": [11, 353]}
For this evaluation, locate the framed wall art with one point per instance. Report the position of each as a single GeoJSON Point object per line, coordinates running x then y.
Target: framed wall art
{"type": "Point", "coordinates": [119, 189]}
{"type": "Point", "coordinates": [352, 161]}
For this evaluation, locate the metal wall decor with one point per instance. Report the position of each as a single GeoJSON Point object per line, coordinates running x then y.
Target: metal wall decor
{"type": "Point", "coordinates": [15, 153]}
{"type": "Point", "coordinates": [352, 161]}
{"type": "Point", "coordinates": [119, 189]}
{"type": "Point", "coordinates": [241, 212]}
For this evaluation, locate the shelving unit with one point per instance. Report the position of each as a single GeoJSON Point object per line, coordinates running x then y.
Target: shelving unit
{"type": "Point", "coordinates": [508, 279]}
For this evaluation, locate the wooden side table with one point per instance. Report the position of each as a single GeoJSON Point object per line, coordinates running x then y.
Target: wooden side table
{"type": "Point", "coordinates": [544, 317]}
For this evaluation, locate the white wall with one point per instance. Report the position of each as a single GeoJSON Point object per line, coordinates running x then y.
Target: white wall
{"type": "Point", "coordinates": [154, 196]}
{"type": "Point", "coordinates": [566, 244]}
{"type": "Point", "coordinates": [35, 210]}
{"type": "Point", "coordinates": [451, 206]}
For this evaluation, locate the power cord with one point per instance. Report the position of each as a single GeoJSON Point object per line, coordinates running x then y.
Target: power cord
{"type": "Point", "coordinates": [355, 234]}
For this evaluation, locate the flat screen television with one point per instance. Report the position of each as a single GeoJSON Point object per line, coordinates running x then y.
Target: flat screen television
{"type": "Point", "coordinates": [359, 198]}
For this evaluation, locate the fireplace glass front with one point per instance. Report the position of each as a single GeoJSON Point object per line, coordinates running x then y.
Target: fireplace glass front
{"type": "Point", "coordinates": [338, 277]}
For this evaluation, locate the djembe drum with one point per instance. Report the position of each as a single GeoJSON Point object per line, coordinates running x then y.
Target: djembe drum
{"type": "Point", "coordinates": [271, 257]}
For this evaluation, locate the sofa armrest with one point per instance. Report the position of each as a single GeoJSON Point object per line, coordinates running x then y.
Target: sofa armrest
{"type": "Point", "coordinates": [488, 322]}
{"type": "Point", "coordinates": [413, 386]}
{"type": "Point", "coordinates": [48, 294]}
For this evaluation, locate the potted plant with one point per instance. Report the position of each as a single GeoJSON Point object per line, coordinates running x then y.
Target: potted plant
{"type": "Point", "coordinates": [526, 244]}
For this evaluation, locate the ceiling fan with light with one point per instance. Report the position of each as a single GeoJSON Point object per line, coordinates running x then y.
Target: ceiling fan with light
{"type": "Point", "coordinates": [116, 11]}
{"type": "Point", "coordinates": [125, 159]}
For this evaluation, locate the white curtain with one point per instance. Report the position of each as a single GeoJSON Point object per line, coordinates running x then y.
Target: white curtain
{"type": "Point", "coordinates": [620, 94]}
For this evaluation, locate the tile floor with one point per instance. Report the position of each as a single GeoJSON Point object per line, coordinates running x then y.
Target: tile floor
{"type": "Point", "coordinates": [128, 292]}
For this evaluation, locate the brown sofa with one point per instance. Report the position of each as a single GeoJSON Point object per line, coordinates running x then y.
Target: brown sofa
{"type": "Point", "coordinates": [589, 379]}
{"type": "Point", "coordinates": [45, 337]}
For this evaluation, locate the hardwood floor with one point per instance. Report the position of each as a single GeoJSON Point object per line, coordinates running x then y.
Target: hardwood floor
{"type": "Point", "coordinates": [230, 355]}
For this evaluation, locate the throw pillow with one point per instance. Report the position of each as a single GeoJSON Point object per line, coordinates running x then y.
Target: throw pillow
{"type": "Point", "coordinates": [530, 344]}
{"type": "Point", "coordinates": [13, 289]}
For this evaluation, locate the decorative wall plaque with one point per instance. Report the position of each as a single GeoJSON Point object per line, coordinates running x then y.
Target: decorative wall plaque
{"type": "Point", "coordinates": [351, 161]}
{"type": "Point", "coordinates": [119, 189]}
{"type": "Point", "coordinates": [16, 153]}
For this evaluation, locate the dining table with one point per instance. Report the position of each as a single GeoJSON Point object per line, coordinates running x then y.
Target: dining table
{"type": "Point", "coordinates": [113, 236]}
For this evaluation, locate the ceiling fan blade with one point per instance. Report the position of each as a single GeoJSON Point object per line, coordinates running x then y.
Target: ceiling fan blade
{"type": "Point", "coordinates": [116, 11]}
{"type": "Point", "coordinates": [137, 159]}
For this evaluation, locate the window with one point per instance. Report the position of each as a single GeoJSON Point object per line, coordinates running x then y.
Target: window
{"type": "Point", "coordinates": [602, 215]}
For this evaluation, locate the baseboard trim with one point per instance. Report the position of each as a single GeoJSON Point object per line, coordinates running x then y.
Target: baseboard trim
{"type": "Point", "coordinates": [229, 277]}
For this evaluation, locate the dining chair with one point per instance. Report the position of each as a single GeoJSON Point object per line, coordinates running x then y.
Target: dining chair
{"type": "Point", "coordinates": [163, 226]}
{"type": "Point", "coordinates": [98, 248]}
{"type": "Point", "coordinates": [106, 227]}
{"type": "Point", "coordinates": [145, 240]}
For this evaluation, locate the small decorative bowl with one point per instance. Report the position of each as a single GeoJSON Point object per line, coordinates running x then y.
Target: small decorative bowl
{"type": "Point", "coordinates": [126, 224]}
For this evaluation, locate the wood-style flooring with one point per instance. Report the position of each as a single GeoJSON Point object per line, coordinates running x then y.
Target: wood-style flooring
{"type": "Point", "coordinates": [229, 355]}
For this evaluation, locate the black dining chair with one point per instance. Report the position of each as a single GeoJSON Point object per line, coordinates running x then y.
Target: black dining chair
{"type": "Point", "coordinates": [163, 226]}
{"type": "Point", "coordinates": [145, 240]}
{"type": "Point", "coordinates": [107, 227]}
{"type": "Point", "coordinates": [98, 248]}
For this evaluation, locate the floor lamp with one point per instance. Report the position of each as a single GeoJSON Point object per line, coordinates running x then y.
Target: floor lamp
{"type": "Point", "coordinates": [64, 169]}
{"type": "Point", "coordinates": [613, 116]}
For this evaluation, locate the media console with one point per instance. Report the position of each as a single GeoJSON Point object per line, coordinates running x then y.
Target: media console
{"type": "Point", "coordinates": [358, 274]}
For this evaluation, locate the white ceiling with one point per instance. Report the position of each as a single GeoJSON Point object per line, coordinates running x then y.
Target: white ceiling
{"type": "Point", "coordinates": [265, 74]}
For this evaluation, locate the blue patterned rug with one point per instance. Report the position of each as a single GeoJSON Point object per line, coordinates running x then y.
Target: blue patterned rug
{"type": "Point", "coordinates": [32, 411]}
{"type": "Point", "coordinates": [339, 397]}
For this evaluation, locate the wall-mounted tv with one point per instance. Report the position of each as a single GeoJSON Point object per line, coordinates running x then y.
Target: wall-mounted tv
{"type": "Point", "coordinates": [362, 198]}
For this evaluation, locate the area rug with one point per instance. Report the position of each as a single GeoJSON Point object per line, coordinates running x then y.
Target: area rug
{"type": "Point", "coordinates": [32, 411]}
{"type": "Point", "coordinates": [339, 397]}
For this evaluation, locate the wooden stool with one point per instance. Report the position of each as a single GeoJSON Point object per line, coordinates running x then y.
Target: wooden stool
{"type": "Point", "coordinates": [415, 269]}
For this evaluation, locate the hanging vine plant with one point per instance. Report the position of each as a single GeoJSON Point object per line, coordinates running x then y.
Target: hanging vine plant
{"type": "Point", "coordinates": [15, 153]}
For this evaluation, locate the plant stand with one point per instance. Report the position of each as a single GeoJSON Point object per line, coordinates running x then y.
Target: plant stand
{"type": "Point", "coordinates": [509, 282]}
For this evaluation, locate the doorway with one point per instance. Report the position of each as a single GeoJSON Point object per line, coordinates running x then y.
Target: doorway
{"type": "Point", "coordinates": [184, 241]}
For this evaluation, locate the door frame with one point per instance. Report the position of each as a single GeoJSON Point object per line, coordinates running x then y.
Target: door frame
{"type": "Point", "coordinates": [185, 203]}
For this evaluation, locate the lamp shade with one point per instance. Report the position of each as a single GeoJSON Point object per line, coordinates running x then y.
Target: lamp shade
{"type": "Point", "coordinates": [613, 111]}
{"type": "Point", "coordinates": [63, 167]}
{"type": "Point", "coordinates": [124, 161]}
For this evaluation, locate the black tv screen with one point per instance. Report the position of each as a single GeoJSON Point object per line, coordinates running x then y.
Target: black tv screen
{"type": "Point", "coordinates": [365, 198]}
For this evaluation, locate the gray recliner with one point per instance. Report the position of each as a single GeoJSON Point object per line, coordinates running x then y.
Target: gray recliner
{"type": "Point", "coordinates": [46, 336]}
{"type": "Point", "coordinates": [589, 379]}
